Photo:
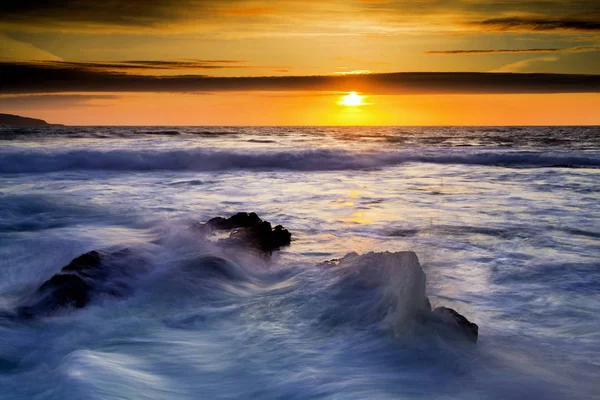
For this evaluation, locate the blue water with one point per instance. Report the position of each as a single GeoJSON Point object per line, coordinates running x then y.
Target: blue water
{"type": "Point", "coordinates": [505, 222]}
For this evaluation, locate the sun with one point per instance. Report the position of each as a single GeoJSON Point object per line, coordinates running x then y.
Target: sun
{"type": "Point", "coordinates": [352, 99]}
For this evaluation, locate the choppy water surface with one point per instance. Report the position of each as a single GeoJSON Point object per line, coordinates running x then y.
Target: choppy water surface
{"type": "Point", "coordinates": [505, 222]}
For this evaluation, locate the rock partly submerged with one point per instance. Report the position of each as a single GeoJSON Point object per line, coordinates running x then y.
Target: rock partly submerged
{"type": "Point", "coordinates": [397, 295]}
{"type": "Point", "coordinates": [109, 273]}
{"type": "Point", "coordinates": [91, 275]}
{"type": "Point", "coordinates": [396, 279]}
{"type": "Point", "coordinates": [248, 230]}
{"type": "Point", "coordinates": [453, 324]}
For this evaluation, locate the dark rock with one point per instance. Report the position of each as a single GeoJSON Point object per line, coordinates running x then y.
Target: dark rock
{"type": "Point", "coordinates": [239, 220]}
{"type": "Point", "coordinates": [218, 223]}
{"type": "Point", "coordinates": [245, 220]}
{"type": "Point", "coordinates": [392, 287]}
{"type": "Point", "coordinates": [263, 237]}
{"type": "Point", "coordinates": [88, 275]}
{"type": "Point", "coordinates": [279, 237]}
{"type": "Point", "coordinates": [249, 230]}
{"type": "Point", "coordinates": [85, 264]}
{"type": "Point", "coordinates": [454, 324]}
{"type": "Point", "coordinates": [384, 288]}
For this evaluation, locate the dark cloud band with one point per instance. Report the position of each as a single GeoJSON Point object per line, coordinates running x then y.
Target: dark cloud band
{"type": "Point", "coordinates": [148, 65]}
{"type": "Point", "coordinates": [21, 78]}
{"type": "Point", "coordinates": [542, 24]}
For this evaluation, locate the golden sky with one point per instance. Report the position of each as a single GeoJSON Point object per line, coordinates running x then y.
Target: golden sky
{"type": "Point", "coordinates": [288, 62]}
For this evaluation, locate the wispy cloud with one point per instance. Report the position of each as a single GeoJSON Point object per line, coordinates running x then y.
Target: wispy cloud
{"type": "Point", "coordinates": [250, 11]}
{"type": "Point", "coordinates": [151, 64]}
{"type": "Point", "coordinates": [359, 61]}
{"type": "Point", "coordinates": [541, 24]}
{"type": "Point", "coordinates": [354, 72]}
{"type": "Point", "coordinates": [503, 51]}
{"type": "Point", "coordinates": [300, 17]}
{"type": "Point", "coordinates": [13, 50]}
{"type": "Point", "coordinates": [158, 66]}
{"type": "Point", "coordinates": [524, 65]}
{"type": "Point", "coordinates": [54, 101]}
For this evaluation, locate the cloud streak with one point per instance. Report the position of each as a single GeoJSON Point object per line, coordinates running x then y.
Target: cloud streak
{"type": "Point", "coordinates": [22, 78]}
{"type": "Point", "coordinates": [508, 51]}
{"type": "Point", "coordinates": [150, 65]}
{"type": "Point", "coordinates": [53, 101]}
{"type": "Point", "coordinates": [300, 16]}
{"type": "Point", "coordinates": [541, 24]}
{"type": "Point", "coordinates": [145, 67]}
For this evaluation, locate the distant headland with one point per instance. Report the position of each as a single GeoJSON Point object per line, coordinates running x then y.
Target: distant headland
{"type": "Point", "coordinates": [17, 120]}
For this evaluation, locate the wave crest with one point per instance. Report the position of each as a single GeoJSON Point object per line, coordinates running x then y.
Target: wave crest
{"type": "Point", "coordinates": [40, 160]}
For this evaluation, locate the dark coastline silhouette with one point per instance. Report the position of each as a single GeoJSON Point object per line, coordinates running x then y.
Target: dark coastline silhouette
{"type": "Point", "coordinates": [17, 120]}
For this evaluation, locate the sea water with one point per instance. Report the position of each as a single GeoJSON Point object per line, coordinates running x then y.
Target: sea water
{"type": "Point", "coordinates": [505, 222]}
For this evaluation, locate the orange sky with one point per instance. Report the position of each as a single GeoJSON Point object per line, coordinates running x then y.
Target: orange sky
{"type": "Point", "coordinates": [268, 108]}
{"type": "Point", "coordinates": [146, 63]}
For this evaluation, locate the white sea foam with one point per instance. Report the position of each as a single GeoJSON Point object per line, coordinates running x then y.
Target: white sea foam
{"type": "Point", "coordinates": [205, 160]}
{"type": "Point", "coordinates": [512, 249]}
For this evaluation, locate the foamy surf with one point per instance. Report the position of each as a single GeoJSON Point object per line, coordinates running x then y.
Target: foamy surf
{"type": "Point", "coordinates": [511, 249]}
{"type": "Point", "coordinates": [204, 160]}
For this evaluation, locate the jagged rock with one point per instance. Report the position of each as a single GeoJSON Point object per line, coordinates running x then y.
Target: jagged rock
{"type": "Point", "coordinates": [109, 272]}
{"type": "Point", "coordinates": [386, 290]}
{"type": "Point", "coordinates": [391, 286]}
{"type": "Point", "coordinates": [396, 295]}
{"type": "Point", "coordinates": [239, 220]}
{"type": "Point", "coordinates": [455, 324]}
{"type": "Point", "coordinates": [398, 280]}
{"type": "Point", "coordinates": [88, 275]}
{"type": "Point", "coordinates": [248, 230]}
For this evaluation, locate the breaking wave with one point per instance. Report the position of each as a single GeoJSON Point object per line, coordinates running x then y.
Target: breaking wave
{"type": "Point", "coordinates": [43, 160]}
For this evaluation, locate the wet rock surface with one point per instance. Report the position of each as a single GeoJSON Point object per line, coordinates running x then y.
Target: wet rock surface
{"type": "Point", "coordinates": [239, 220]}
{"type": "Point", "coordinates": [386, 288]}
{"type": "Point", "coordinates": [110, 273]}
{"type": "Point", "coordinates": [247, 229]}
{"type": "Point", "coordinates": [392, 292]}
{"type": "Point", "coordinates": [92, 274]}
{"type": "Point", "coordinates": [454, 324]}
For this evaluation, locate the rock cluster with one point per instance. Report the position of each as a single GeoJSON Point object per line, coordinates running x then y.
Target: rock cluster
{"type": "Point", "coordinates": [397, 279]}
{"type": "Point", "coordinates": [247, 229]}
{"type": "Point", "coordinates": [108, 273]}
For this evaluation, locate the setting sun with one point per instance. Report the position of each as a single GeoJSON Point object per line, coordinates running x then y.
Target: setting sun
{"type": "Point", "coordinates": [257, 180]}
{"type": "Point", "coordinates": [352, 99]}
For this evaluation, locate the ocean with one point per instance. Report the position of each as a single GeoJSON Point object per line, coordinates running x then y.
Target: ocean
{"type": "Point", "coordinates": [505, 222]}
